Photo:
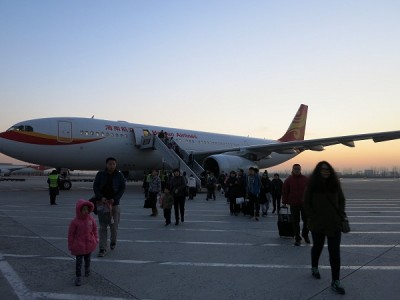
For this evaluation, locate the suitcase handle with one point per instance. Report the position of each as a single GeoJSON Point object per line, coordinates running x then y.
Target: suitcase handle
{"type": "Point", "coordinates": [285, 207]}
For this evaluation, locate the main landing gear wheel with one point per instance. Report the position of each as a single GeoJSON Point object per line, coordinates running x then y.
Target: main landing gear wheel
{"type": "Point", "coordinates": [66, 185]}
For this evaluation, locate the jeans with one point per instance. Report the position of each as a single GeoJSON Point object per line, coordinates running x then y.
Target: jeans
{"type": "Point", "coordinates": [78, 265]}
{"type": "Point", "coordinates": [254, 204]}
{"type": "Point", "coordinates": [233, 207]}
{"type": "Point", "coordinates": [153, 199]}
{"type": "Point", "coordinates": [333, 249]}
{"type": "Point", "coordinates": [167, 215]}
{"type": "Point", "coordinates": [296, 211]}
{"type": "Point", "coordinates": [265, 206]}
{"type": "Point", "coordinates": [211, 192]}
{"type": "Point", "coordinates": [103, 230]}
{"type": "Point", "coordinates": [276, 201]}
{"type": "Point", "coordinates": [179, 207]}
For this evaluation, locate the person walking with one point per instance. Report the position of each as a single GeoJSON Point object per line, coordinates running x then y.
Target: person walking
{"type": "Point", "coordinates": [292, 194]}
{"type": "Point", "coordinates": [265, 193]}
{"type": "Point", "coordinates": [192, 187]}
{"type": "Point", "coordinates": [154, 191]}
{"type": "Point", "coordinates": [253, 191]}
{"type": "Point", "coordinates": [82, 237]}
{"type": "Point", "coordinates": [211, 182]}
{"type": "Point", "coordinates": [232, 192]}
{"type": "Point", "coordinates": [178, 189]}
{"type": "Point", "coordinates": [166, 202]}
{"type": "Point", "coordinates": [324, 203]}
{"type": "Point", "coordinates": [108, 186]}
{"type": "Point", "coordinates": [276, 192]}
{"type": "Point", "coordinates": [53, 181]}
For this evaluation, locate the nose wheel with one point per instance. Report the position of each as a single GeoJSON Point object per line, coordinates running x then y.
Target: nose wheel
{"type": "Point", "coordinates": [65, 185]}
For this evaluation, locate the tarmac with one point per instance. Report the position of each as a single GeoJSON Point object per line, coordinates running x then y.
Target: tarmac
{"type": "Point", "coordinates": [212, 255]}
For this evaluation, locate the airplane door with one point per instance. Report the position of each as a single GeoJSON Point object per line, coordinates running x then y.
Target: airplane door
{"type": "Point", "coordinates": [64, 132]}
{"type": "Point", "coordinates": [140, 134]}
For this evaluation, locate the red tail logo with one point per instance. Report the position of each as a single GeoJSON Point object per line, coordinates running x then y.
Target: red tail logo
{"type": "Point", "coordinates": [297, 128]}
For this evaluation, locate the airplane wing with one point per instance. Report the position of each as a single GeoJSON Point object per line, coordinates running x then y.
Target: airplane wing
{"type": "Point", "coordinates": [263, 150]}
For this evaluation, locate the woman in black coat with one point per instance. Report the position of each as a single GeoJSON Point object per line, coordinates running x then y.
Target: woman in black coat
{"type": "Point", "coordinates": [324, 203]}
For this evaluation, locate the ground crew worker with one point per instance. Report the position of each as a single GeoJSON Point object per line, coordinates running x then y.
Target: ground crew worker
{"type": "Point", "coordinates": [53, 180]}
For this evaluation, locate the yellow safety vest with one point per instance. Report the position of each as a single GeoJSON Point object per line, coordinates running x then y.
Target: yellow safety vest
{"type": "Point", "coordinates": [53, 180]}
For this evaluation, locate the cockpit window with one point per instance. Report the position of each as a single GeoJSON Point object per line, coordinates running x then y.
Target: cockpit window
{"type": "Point", "coordinates": [26, 128]}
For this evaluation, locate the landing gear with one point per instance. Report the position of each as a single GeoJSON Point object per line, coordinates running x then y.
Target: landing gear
{"type": "Point", "coordinates": [65, 184]}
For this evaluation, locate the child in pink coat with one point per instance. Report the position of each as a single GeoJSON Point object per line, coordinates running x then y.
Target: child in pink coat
{"type": "Point", "coordinates": [82, 237]}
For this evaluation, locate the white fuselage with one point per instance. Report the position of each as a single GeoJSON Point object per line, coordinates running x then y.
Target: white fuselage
{"type": "Point", "coordinates": [82, 143]}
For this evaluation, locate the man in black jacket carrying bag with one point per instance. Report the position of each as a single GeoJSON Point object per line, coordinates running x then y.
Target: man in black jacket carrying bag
{"type": "Point", "coordinates": [108, 186]}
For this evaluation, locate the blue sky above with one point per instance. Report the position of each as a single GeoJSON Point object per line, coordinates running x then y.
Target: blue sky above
{"type": "Point", "coordinates": [238, 67]}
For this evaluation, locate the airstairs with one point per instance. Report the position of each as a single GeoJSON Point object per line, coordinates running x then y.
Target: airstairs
{"type": "Point", "coordinates": [172, 159]}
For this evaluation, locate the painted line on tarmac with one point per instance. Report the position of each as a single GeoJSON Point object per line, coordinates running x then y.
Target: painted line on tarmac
{"type": "Point", "coordinates": [372, 199]}
{"type": "Point", "coordinates": [228, 265]}
{"type": "Point", "coordinates": [373, 211]}
{"type": "Point", "coordinates": [40, 295]}
{"type": "Point", "coordinates": [23, 293]}
{"type": "Point", "coordinates": [14, 280]}
{"type": "Point", "coordinates": [376, 223]}
{"type": "Point", "coordinates": [379, 205]}
{"type": "Point", "coordinates": [200, 243]}
{"type": "Point", "coordinates": [351, 216]}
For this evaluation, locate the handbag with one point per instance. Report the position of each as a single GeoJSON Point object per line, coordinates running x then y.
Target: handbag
{"type": "Point", "coordinates": [147, 204]}
{"type": "Point", "coordinates": [345, 225]}
{"type": "Point", "coordinates": [240, 200]}
{"type": "Point", "coordinates": [345, 221]}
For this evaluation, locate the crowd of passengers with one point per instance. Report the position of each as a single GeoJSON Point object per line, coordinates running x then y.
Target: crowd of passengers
{"type": "Point", "coordinates": [250, 194]}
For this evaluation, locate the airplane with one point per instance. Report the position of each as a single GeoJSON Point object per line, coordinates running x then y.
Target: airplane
{"type": "Point", "coordinates": [84, 143]}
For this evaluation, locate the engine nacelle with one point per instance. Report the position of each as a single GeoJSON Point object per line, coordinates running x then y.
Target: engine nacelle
{"type": "Point", "coordinates": [222, 162]}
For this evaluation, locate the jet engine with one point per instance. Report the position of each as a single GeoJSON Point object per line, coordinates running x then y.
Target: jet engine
{"type": "Point", "coordinates": [222, 162]}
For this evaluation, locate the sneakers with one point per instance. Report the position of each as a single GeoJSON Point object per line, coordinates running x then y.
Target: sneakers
{"type": "Point", "coordinates": [315, 273]}
{"type": "Point", "coordinates": [112, 246]}
{"type": "Point", "coordinates": [78, 281]}
{"type": "Point", "coordinates": [337, 287]}
{"type": "Point", "coordinates": [102, 253]}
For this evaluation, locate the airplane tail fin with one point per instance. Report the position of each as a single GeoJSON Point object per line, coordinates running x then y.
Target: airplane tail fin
{"type": "Point", "coordinates": [297, 128]}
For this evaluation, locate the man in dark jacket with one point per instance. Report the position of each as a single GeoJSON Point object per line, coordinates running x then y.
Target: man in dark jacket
{"type": "Point", "coordinates": [108, 186]}
{"type": "Point", "coordinates": [177, 186]}
{"type": "Point", "coordinates": [276, 192]}
{"type": "Point", "coordinates": [253, 191]}
{"type": "Point", "coordinates": [292, 194]}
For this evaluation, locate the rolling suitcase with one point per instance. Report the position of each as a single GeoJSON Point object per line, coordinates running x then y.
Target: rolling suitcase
{"type": "Point", "coordinates": [285, 224]}
{"type": "Point", "coordinates": [246, 209]}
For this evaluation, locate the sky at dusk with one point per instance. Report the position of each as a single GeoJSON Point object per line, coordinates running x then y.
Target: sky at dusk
{"type": "Point", "coordinates": [235, 67]}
